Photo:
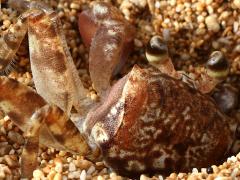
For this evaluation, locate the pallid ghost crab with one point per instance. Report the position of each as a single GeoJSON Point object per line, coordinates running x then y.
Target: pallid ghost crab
{"type": "Point", "coordinates": [150, 121]}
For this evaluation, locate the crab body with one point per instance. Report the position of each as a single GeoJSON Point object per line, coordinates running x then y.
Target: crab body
{"type": "Point", "coordinates": [148, 121]}
{"type": "Point", "coordinates": [160, 124]}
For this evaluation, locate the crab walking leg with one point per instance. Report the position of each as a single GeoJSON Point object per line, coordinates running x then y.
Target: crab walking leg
{"type": "Point", "coordinates": [63, 136]}
{"type": "Point", "coordinates": [157, 55]}
{"type": "Point", "coordinates": [55, 128]}
{"type": "Point", "coordinates": [24, 5]}
{"type": "Point", "coordinates": [105, 51]}
{"type": "Point", "coordinates": [29, 157]}
{"type": "Point", "coordinates": [50, 124]}
{"type": "Point", "coordinates": [54, 74]}
{"type": "Point", "coordinates": [10, 42]}
{"type": "Point", "coordinates": [22, 104]}
{"type": "Point", "coordinates": [110, 36]}
{"type": "Point", "coordinates": [19, 102]}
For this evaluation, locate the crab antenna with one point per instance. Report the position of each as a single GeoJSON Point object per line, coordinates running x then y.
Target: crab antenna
{"type": "Point", "coordinates": [157, 55]}
{"type": "Point", "coordinates": [217, 69]}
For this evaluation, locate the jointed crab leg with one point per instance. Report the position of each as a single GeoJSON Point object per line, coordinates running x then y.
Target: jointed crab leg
{"type": "Point", "coordinates": [10, 42]}
{"type": "Point", "coordinates": [54, 74]}
{"type": "Point", "coordinates": [29, 156]}
{"type": "Point", "coordinates": [14, 101]}
{"type": "Point", "coordinates": [110, 37]}
{"type": "Point", "coordinates": [23, 5]}
{"type": "Point", "coordinates": [49, 125]}
{"type": "Point", "coordinates": [37, 120]}
{"type": "Point", "coordinates": [19, 102]}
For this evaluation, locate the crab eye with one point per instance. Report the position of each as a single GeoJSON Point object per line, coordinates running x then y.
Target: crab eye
{"type": "Point", "coordinates": [217, 65]}
{"type": "Point", "coordinates": [156, 50]}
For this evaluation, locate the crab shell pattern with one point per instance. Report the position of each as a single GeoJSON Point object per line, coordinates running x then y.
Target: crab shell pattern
{"type": "Point", "coordinates": [159, 124]}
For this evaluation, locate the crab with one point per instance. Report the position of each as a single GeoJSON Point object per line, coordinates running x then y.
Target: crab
{"type": "Point", "coordinates": [152, 120]}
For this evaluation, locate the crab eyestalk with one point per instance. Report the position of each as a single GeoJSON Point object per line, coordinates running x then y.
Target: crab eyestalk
{"type": "Point", "coordinates": [217, 69]}
{"type": "Point", "coordinates": [156, 51]}
{"type": "Point", "coordinates": [217, 66]}
{"type": "Point", "coordinates": [157, 55]}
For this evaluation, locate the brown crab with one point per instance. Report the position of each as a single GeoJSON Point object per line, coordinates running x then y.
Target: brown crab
{"type": "Point", "coordinates": [151, 120]}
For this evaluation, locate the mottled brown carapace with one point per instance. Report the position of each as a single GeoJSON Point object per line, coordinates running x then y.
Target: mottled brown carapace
{"type": "Point", "coordinates": [166, 126]}
{"type": "Point", "coordinates": [149, 121]}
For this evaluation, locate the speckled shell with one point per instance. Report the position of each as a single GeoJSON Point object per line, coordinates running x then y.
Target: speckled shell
{"type": "Point", "coordinates": [151, 123]}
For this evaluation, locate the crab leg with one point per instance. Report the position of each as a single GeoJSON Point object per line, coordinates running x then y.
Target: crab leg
{"type": "Point", "coordinates": [54, 74]}
{"type": "Point", "coordinates": [49, 125]}
{"type": "Point", "coordinates": [10, 42]}
{"type": "Point", "coordinates": [40, 121]}
{"type": "Point", "coordinates": [12, 39]}
{"type": "Point", "coordinates": [23, 5]}
{"type": "Point", "coordinates": [29, 157]}
{"type": "Point", "coordinates": [19, 103]}
{"type": "Point", "coordinates": [110, 37]}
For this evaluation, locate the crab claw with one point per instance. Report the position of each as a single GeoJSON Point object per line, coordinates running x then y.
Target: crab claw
{"type": "Point", "coordinates": [109, 37]}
